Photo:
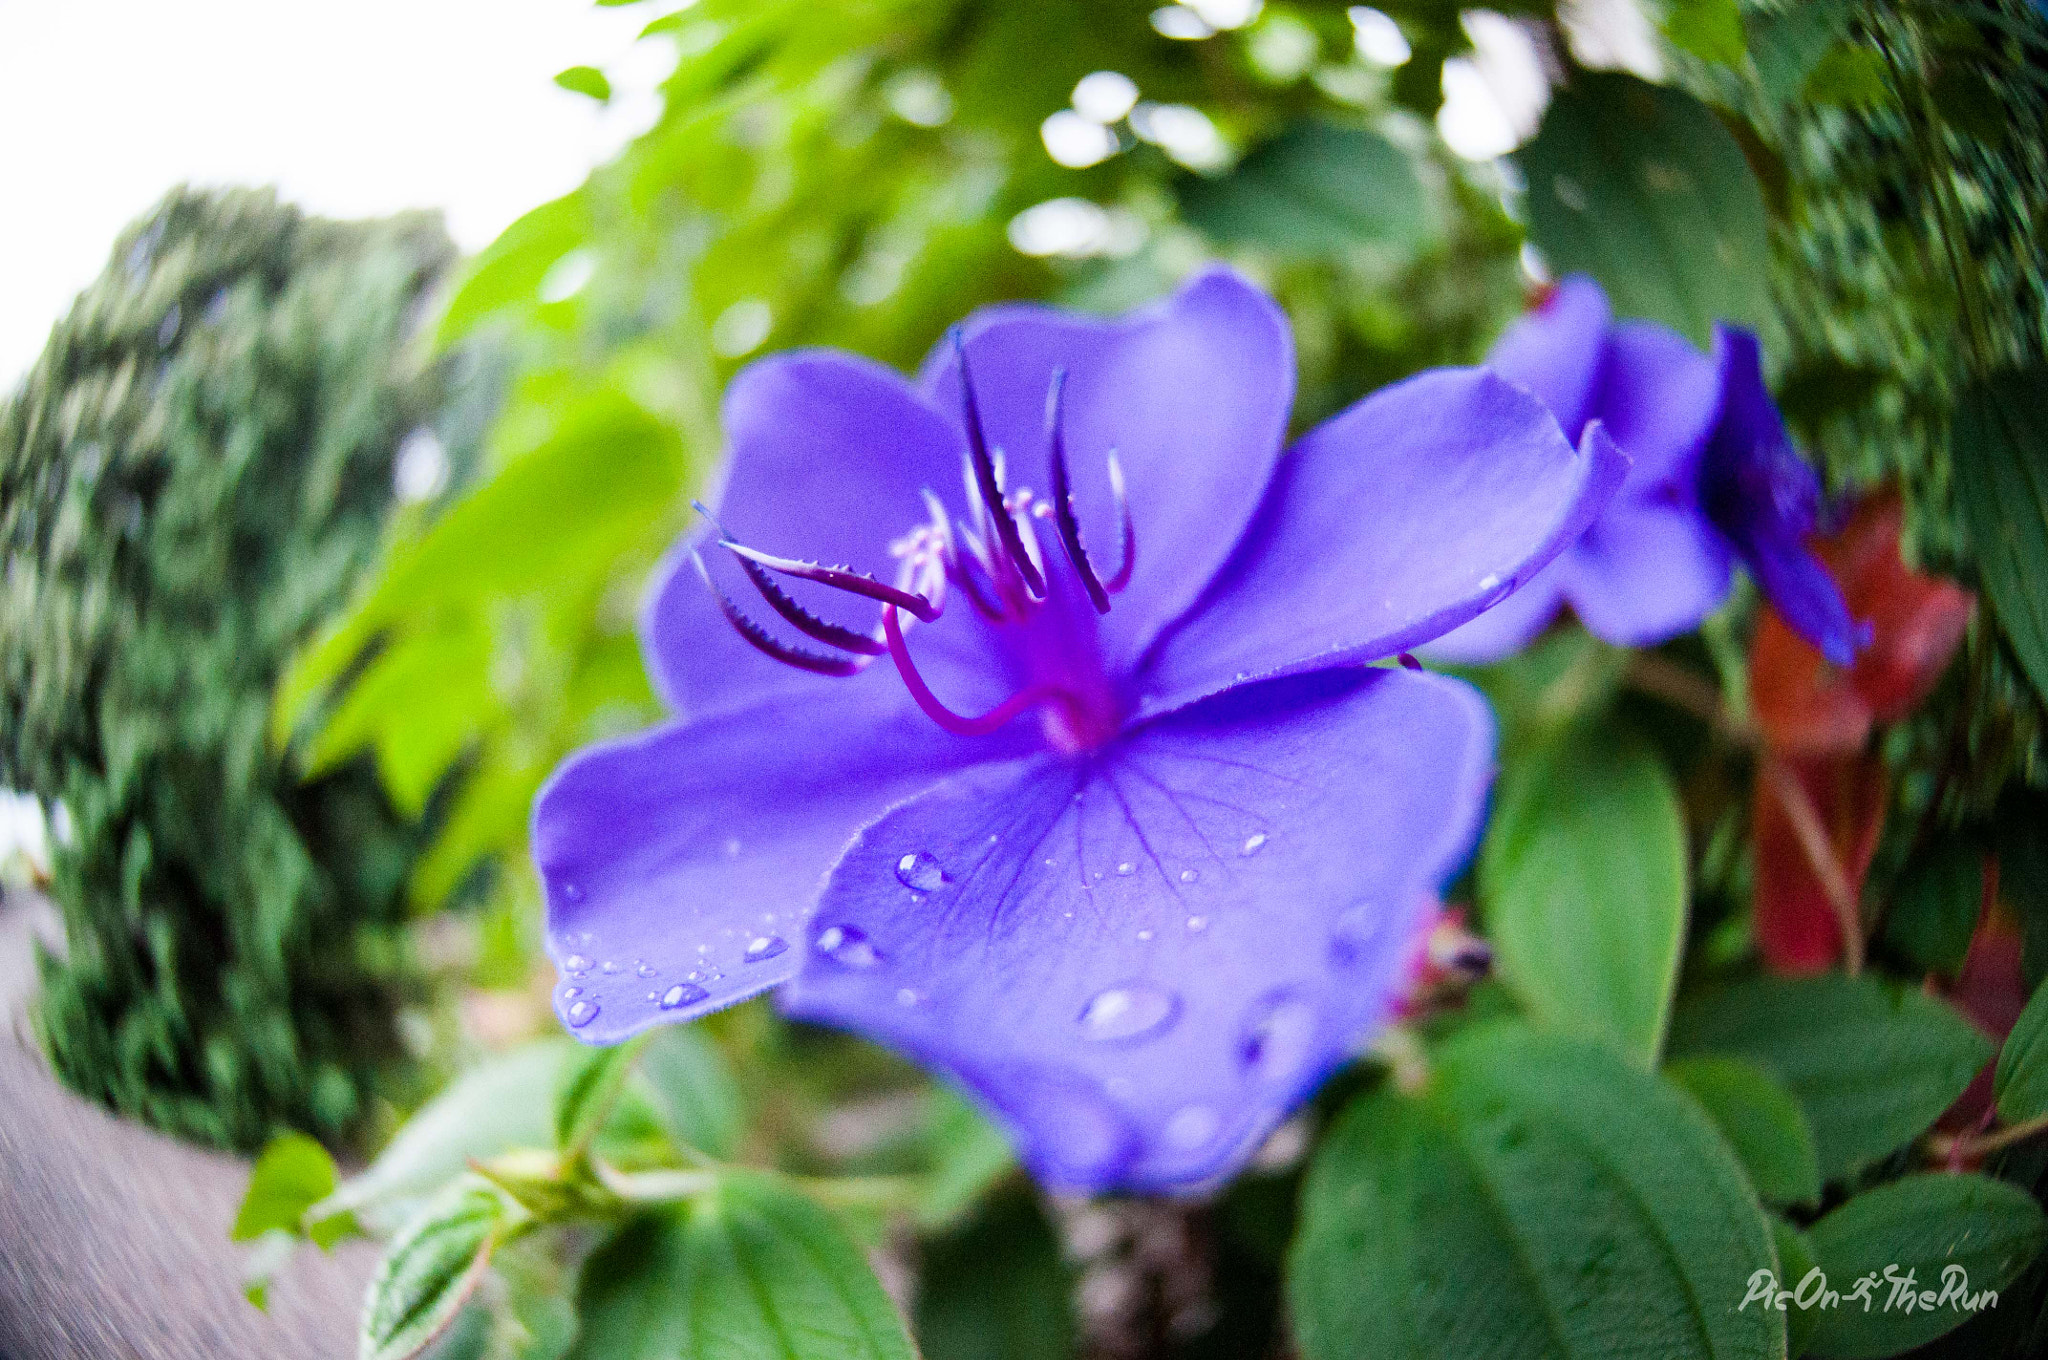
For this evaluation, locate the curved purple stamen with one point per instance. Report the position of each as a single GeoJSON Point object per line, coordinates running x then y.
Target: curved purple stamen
{"type": "Point", "coordinates": [800, 657]}
{"type": "Point", "coordinates": [1063, 495]}
{"type": "Point", "coordinates": [986, 480]}
{"type": "Point", "coordinates": [961, 724]}
{"type": "Point", "coordinates": [802, 619]}
{"type": "Point", "coordinates": [1130, 530]}
{"type": "Point", "coordinates": [840, 578]}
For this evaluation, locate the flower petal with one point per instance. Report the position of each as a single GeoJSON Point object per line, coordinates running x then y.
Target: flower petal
{"type": "Point", "coordinates": [1387, 526]}
{"type": "Point", "coordinates": [827, 456]}
{"type": "Point", "coordinates": [1645, 572]}
{"type": "Point", "coordinates": [1765, 499]}
{"type": "Point", "coordinates": [1657, 399]}
{"type": "Point", "coordinates": [1556, 350]}
{"type": "Point", "coordinates": [679, 864]}
{"type": "Point", "coordinates": [1506, 628]}
{"type": "Point", "coordinates": [1144, 959]}
{"type": "Point", "coordinates": [1192, 394]}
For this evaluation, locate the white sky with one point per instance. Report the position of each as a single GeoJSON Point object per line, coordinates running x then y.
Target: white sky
{"type": "Point", "coordinates": [352, 110]}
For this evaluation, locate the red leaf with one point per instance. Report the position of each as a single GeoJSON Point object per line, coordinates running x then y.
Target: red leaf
{"type": "Point", "coordinates": [1815, 818]}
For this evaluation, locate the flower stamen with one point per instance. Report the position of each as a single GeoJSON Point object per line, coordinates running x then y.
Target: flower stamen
{"type": "Point", "coordinates": [961, 724]}
{"type": "Point", "coordinates": [988, 482]}
{"type": "Point", "coordinates": [763, 641]}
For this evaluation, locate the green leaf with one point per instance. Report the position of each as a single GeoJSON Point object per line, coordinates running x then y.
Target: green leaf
{"type": "Point", "coordinates": [1640, 186]}
{"type": "Point", "coordinates": [267, 1255]}
{"type": "Point", "coordinates": [1872, 1063]}
{"type": "Point", "coordinates": [970, 1155]}
{"type": "Point", "coordinates": [751, 1271]}
{"type": "Point", "coordinates": [1709, 29]}
{"type": "Point", "coordinates": [292, 1175]}
{"type": "Point", "coordinates": [586, 1098]}
{"type": "Point", "coordinates": [2000, 449]}
{"type": "Point", "coordinates": [1949, 1232]}
{"type": "Point", "coordinates": [1317, 189]}
{"type": "Point", "coordinates": [1795, 1263]}
{"type": "Point", "coordinates": [1788, 42]}
{"type": "Point", "coordinates": [502, 1103]}
{"type": "Point", "coordinates": [996, 1289]}
{"type": "Point", "coordinates": [1761, 1122]}
{"type": "Point", "coordinates": [586, 80]}
{"type": "Point", "coordinates": [2021, 1079]}
{"type": "Point", "coordinates": [1934, 907]}
{"type": "Point", "coordinates": [432, 1267]}
{"type": "Point", "coordinates": [691, 1088]}
{"type": "Point", "coordinates": [1534, 1193]}
{"type": "Point", "coordinates": [1850, 76]}
{"type": "Point", "coordinates": [1583, 881]}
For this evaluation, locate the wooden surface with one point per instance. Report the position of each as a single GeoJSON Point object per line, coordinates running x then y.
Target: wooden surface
{"type": "Point", "coordinates": [114, 1239]}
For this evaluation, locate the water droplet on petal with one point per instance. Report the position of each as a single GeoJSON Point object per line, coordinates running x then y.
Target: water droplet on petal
{"type": "Point", "coordinates": [847, 946]}
{"type": "Point", "coordinates": [571, 993]}
{"type": "Point", "coordinates": [644, 968]}
{"type": "Point", "coordinates": [682, 994]}
{"type": "Point", "coordinates": [1125, 868]}
{"type": "Point", "coordinates": [1127, 1012]}
{"type": "Point", "coordinates": [571, 892]}
{"type": "Point", "coordinates": [1198, 924]}
{"type": "Point", "coordinates": [608, 966]}
{"type": "Point", "coordinates": [1278, 1036]}
{"type": "Point", "coordinates": [1253, 844]}
{"type": "Point", "coordinates": [576, 963]}
{"type": "Point", "coordinates": [765, 947]}
{"type": "Point", "coordinates": [906, 997]}
{"type": "Point", "coordinates": [1192, 1126]}
{"type": "Point", "coordinates": [581, 1013]}
{"type": "Point", "coordinates": [732, 848]}
{"type": "Point", "coordinates": [1497, 589]}
{"type": "Point", "coordinates": [1145, 934]}
{"type": "Point", "coordinates": [921, 872]}
{"type": "Point", "coordinates": [1188, 875]}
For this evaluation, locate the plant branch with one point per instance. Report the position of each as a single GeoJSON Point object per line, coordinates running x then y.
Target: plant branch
{"type": "Point", "coordinates": [1820, 853]}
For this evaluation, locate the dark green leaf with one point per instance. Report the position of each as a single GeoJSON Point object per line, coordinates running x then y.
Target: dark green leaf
{"type": "Point", "coordinates": [1795, 1263]}
{"type": "Point", "coordinates": [1871, 1062]}
{"type": "Point", "coordinates": [2000, 449]}
{"type": "Point", "coordinates": [1953, 1234]}
{"type": "Point", "coordinates": [1582, 877]}
{"type": "Point", "coordinates": [1788, 42]}
{"type": "Point", "coordinates": [1709, 29]}
{"type": "Point", "coordinates": [2022, 1074]}
{"type": "Point", "coordinates": [587, 80]}
{"type": "Point", "coordinates": [1850, 76]}
{"type": "Point", "coordinates": [1640, 186]}
{"type": "Point", "coordinates": [292, 1175]}
{"type": "Point", "coordinates": [1316, 189]}
{"type": "Point", "coordinates": [752, 1271]}
{"type": "Point", "coordinates": [1934, 907]}
{"type": "Point", "coordinates": [586, 1098]}
{"type": "Point", "coordinates": [691, 1088]}
{"type": "Point", "coordinates": [996, 1289]}
{"type": "Point", "coordinates": [429, 1272]}
{"type": "Point", "coordinates": [1534, 1194]}
{"type": "Point", "coordinates": [969, 1155]}
{"type": "Point", "coordinates": [1761, 1122]}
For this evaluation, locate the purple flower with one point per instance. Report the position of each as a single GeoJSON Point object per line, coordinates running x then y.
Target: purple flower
{"type": "Point", "coordinates": [1070, 783]}
{"type": "Point", "coordinates": [1714, 476]}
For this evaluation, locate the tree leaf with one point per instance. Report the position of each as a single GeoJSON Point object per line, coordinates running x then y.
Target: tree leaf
{"type": "Point", "coordinates": [292, 1174]}
{"type": "Point", "coordinates": [1317, 189]}
{"type": "Point", "coordinates": [691, 1089]}
{"type": "Point", "coordinates": [586, 80]}
{"type": "Point", "coordinates": [432, 1267]}
{"type": "Point", "coordinates": [1534, 1193]}
{"type": "Point", "coordinates": [1640, 186]}
{"type": "Point", "coordinates": [586, 1098]}
{"type": "Point", "coordinates": [751, 1271]}
{"type": "Point", "coordinates": [1872, 1063]}
{"type": "Point", "coordinates": [1946, 1231]}
{"type": "Point", "coordinates": [2000, 450]}
{"type": "Point", "coordinates": [500, 1104]}
{"type": "Point", "coordinates": [996, 1289]}
{"type": "Point", "coordinates": [1709, 29]}
{"type": "Point", "coordinates": [1935, 905]}
{"type": "Point", "coordinates": [1582, 876]}
{"type": "Point", "coordinates": [1761, 1122]}
{"type": "Point", "coordinates": [1787, 43]}
{"type": "Point", "coordinates": [2021, 1079]}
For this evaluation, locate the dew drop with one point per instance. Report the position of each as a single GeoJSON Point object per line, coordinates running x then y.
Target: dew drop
{"type": "Point", "coordinates": [906, 997]}
{"type": "Point", "coordinates": [643, 968]}
{"type": "Point", "coordinates": [1188, 875]}
{"type": "Point", "coordinates": [1278, 1036]}
{"type": "Point", "coordinates": [1253, 844]}
{"type": "Point", "coordinates": [576, 963]}
{"type": "Point", "coordinates": [847, 946]}
{"type": "Point", "coordinates": [571, 993]}
{"type": "Point", "coordinates": [608, 966]}
{"type": "Point", "coordinates": [581, 1013]}
{"type": "Point", "coordinates": [1125, 868]}
{"type": "Point", "coordinates": [732, 848]}
{"type": "Point", "coordinates": [1198, 924]}
{"type": "Point", "coordinates": [1192, 1126]}
{"type": "Point", "coordinates": [1127, 1012]}
{"type": "Point", "coordinates": [765, 947]}
{"type": "Point", "coordinates": [1497, 589]}
{"type": "Point", "coordinates": [682, 994]}
{"type": "Point", "coordinates": [921, 872]}
{"type": "Point", "coordinates": [1145, 934]}
{"type": "Point", "coordinates": [571, 892]}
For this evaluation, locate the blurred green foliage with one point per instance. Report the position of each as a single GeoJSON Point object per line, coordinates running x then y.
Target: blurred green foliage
{"type": "Point", "coordinates": [192, 479]}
